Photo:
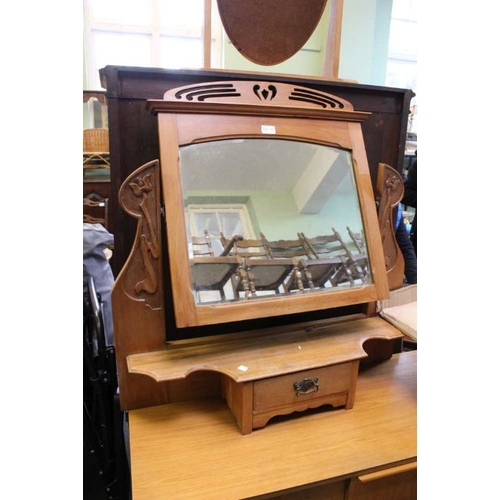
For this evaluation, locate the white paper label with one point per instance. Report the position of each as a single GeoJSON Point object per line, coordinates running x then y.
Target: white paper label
{"type": "Point", "coordinates": [268, 129]}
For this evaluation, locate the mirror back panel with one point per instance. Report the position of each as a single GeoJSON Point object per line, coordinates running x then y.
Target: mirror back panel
{"type": "Point", "coordinates": [268, 202]}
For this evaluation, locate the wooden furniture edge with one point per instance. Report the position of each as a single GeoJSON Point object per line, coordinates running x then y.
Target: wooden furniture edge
{"type": "Point", "coordinates": [398, 469]}
{"type": "Point", "coordinates": [166, 365]}
{"type": "Point", "coordinates": [153, 429]}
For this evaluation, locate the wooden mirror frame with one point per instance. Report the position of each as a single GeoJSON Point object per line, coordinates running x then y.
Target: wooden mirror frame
{"type": "Point", "coordinates": [235, 109]}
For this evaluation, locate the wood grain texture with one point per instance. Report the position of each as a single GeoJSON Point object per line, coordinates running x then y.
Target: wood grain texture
{"type": "Point", "coordinates": [193, 450]}
{"type": "Point", "coordinates": [390, 189]}
{"type": "Point", "coordinates": [268, 356]}
{"type": "Point", "coordinates": [269, 33]}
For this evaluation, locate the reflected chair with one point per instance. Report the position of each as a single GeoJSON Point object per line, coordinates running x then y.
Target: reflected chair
{"type": "Point", "coordinates": [358, 240]}
{"type": "Point", "coordinates": [290, 249]}
{"type": "Point", "coordinates": [202, 245]}
{"type": "Point", "coordinates": [310, 272]}
{"type": "Point", "coordinates": [210, 272]}
{"type": "Point", "coordinates": [332, 248]}
{"type": "Point", "coordinates": [361, 258]}
{"type": "Point", "coordinates": [259, 272]}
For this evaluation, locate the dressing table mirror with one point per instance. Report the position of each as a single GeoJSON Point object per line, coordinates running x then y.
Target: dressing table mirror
{"type": "Point", "coordinates": [248, 215]}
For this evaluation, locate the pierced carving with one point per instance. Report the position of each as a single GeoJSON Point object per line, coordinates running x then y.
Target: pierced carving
{"type": "Point", "coordinates": [313, 97]}
{"type": "Point", "coordinates": [139, 196]}
{"type": "Point", "coordinates": [203, 92]}
{"type": "Point", "coordinates": [257, 93]}
{"type": "Point", "coordinates": [264, 93]}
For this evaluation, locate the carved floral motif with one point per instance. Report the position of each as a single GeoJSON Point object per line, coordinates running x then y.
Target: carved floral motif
{"type": "Point", "coordinates": [139, 197]}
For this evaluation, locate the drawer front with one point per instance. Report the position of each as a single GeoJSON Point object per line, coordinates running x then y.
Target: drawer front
{"type": "Point", "coordinates": [300, 387]}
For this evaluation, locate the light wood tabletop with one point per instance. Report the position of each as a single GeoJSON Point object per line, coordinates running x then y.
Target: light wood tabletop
{"type": "Point", "coordinates": [194, 450]}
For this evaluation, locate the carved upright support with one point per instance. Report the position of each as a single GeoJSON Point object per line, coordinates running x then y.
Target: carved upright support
{"type": "Point", "coordinates": [138, 301]}
{"type": "Point", "coordinates": [390, 190]}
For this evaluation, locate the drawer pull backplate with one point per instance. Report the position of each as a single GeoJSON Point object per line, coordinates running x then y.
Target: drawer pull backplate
{"type": "Point", "coordinates": [306, 386]}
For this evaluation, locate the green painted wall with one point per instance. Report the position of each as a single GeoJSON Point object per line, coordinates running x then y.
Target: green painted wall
{"type": "Point", "coordinates": [365, 40]}
{"type": "Point", "coordinates": [363, 47]}
{"type": "Point", "coordinates": [275, 213]}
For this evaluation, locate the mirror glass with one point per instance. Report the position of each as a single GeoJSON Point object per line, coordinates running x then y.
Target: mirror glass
{"type": "Point", "coordinates": [267, 217]}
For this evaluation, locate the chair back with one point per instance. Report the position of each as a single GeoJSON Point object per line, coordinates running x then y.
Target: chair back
{"type": "Point", "coordinates": [358, 239]}
{"type": "Point", "coordinates": [327, 246]}
{"type": "Point", "coordinates": [254, 248]}
{"type": "Point", "coordinates": [202, 245]}
{"type": "Point", "coordinates": [282, 249]}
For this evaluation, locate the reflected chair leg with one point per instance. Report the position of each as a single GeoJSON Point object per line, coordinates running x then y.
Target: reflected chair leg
{"type": "Point", "coordinates": [298, 278]}
{"type": "Point", "coordinates": [250, 292]}
{"type": "Point", "coordinates": [240, 283]}
{"type": "Point", "coordinates": [337, 276]}
{"type": "Point", "coordinates": [308, 277]}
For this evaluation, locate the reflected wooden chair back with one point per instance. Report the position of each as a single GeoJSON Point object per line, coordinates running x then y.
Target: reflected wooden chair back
{"type": "Point", "coordinates": [326, 246]}
{"type": "Point", "coordinates": [358, 239]}
{"type": "Point", "coordinates": [260, 271]}
{"type": "Point", "coordinates": [245, 247]}
{"type": "Point", "coordinates": [202, 245]}
{"type": "Point", "coordinates": [290, 249]}
{"type": "Point", "coordinates": [210, 273]}
{"type": "Point", "coordinates": [360, 258]}
{"type": "Point", "coordinates": [333, 248]}
{"type": "Point", "coordinates": [279, 249]}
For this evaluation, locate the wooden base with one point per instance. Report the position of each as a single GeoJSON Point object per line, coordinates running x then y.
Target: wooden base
{"type": "Point", "coordinates": [192, 450]}
{"type": "Point", "coordinates": [254, 403]}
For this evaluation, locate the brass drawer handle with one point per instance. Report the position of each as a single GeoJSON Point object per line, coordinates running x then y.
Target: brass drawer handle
{"type": "Point", "coordinates": [306, 386]}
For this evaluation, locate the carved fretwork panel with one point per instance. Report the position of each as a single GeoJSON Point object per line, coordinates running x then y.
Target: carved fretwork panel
{"type": "Point", "coordinates": [390, 189]}
{"type": "Point", "coordinates": [256, 98]}
{"type": "Point", "coordinates": [140, 197]}
{"type": "Point", "coordinates": [257, 93]}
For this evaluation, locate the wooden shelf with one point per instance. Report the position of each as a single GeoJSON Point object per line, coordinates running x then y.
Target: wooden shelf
{"type": "Point", "coordinates": [261, 357]}
{"type": "Point", "coordinates": [266, 376]}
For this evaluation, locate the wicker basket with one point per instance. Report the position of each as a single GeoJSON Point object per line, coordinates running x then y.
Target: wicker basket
{"type": "Point", "coordinates": [95, 140]}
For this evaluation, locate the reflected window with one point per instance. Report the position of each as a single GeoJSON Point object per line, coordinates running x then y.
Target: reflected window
{"type": "Point", "coordinates": [227, 219]}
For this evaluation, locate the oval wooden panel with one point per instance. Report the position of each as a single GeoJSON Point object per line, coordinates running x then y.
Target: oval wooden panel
{"type": "Point", "coordinates": [269, 32]}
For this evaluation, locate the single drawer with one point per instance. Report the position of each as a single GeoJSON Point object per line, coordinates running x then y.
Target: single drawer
{"type": "Point", "coordinates": [300, 387]}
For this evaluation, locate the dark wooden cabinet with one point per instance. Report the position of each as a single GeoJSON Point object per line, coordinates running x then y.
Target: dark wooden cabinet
{"type": "Point", "coordinates": [134, 130]}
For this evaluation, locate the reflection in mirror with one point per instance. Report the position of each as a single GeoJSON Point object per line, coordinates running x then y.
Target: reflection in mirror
{"type": "Point", "coordinates": [271, 217]}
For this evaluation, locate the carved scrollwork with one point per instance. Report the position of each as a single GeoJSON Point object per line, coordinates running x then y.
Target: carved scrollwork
{"type": "Point", "coordinates": [265, 93]}
{"type": "Point", "coordinates": [390, 188]}
{"type": "Point", "coordinates": [139, 197]}
{"type": "Point", "coordinates": [257, 93]}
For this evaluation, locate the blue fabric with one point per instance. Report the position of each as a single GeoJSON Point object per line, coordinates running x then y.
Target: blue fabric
{"type": "Point", "coordinates": [399, 215]}
{"type": "Point", "coordinates": [95, 239]}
